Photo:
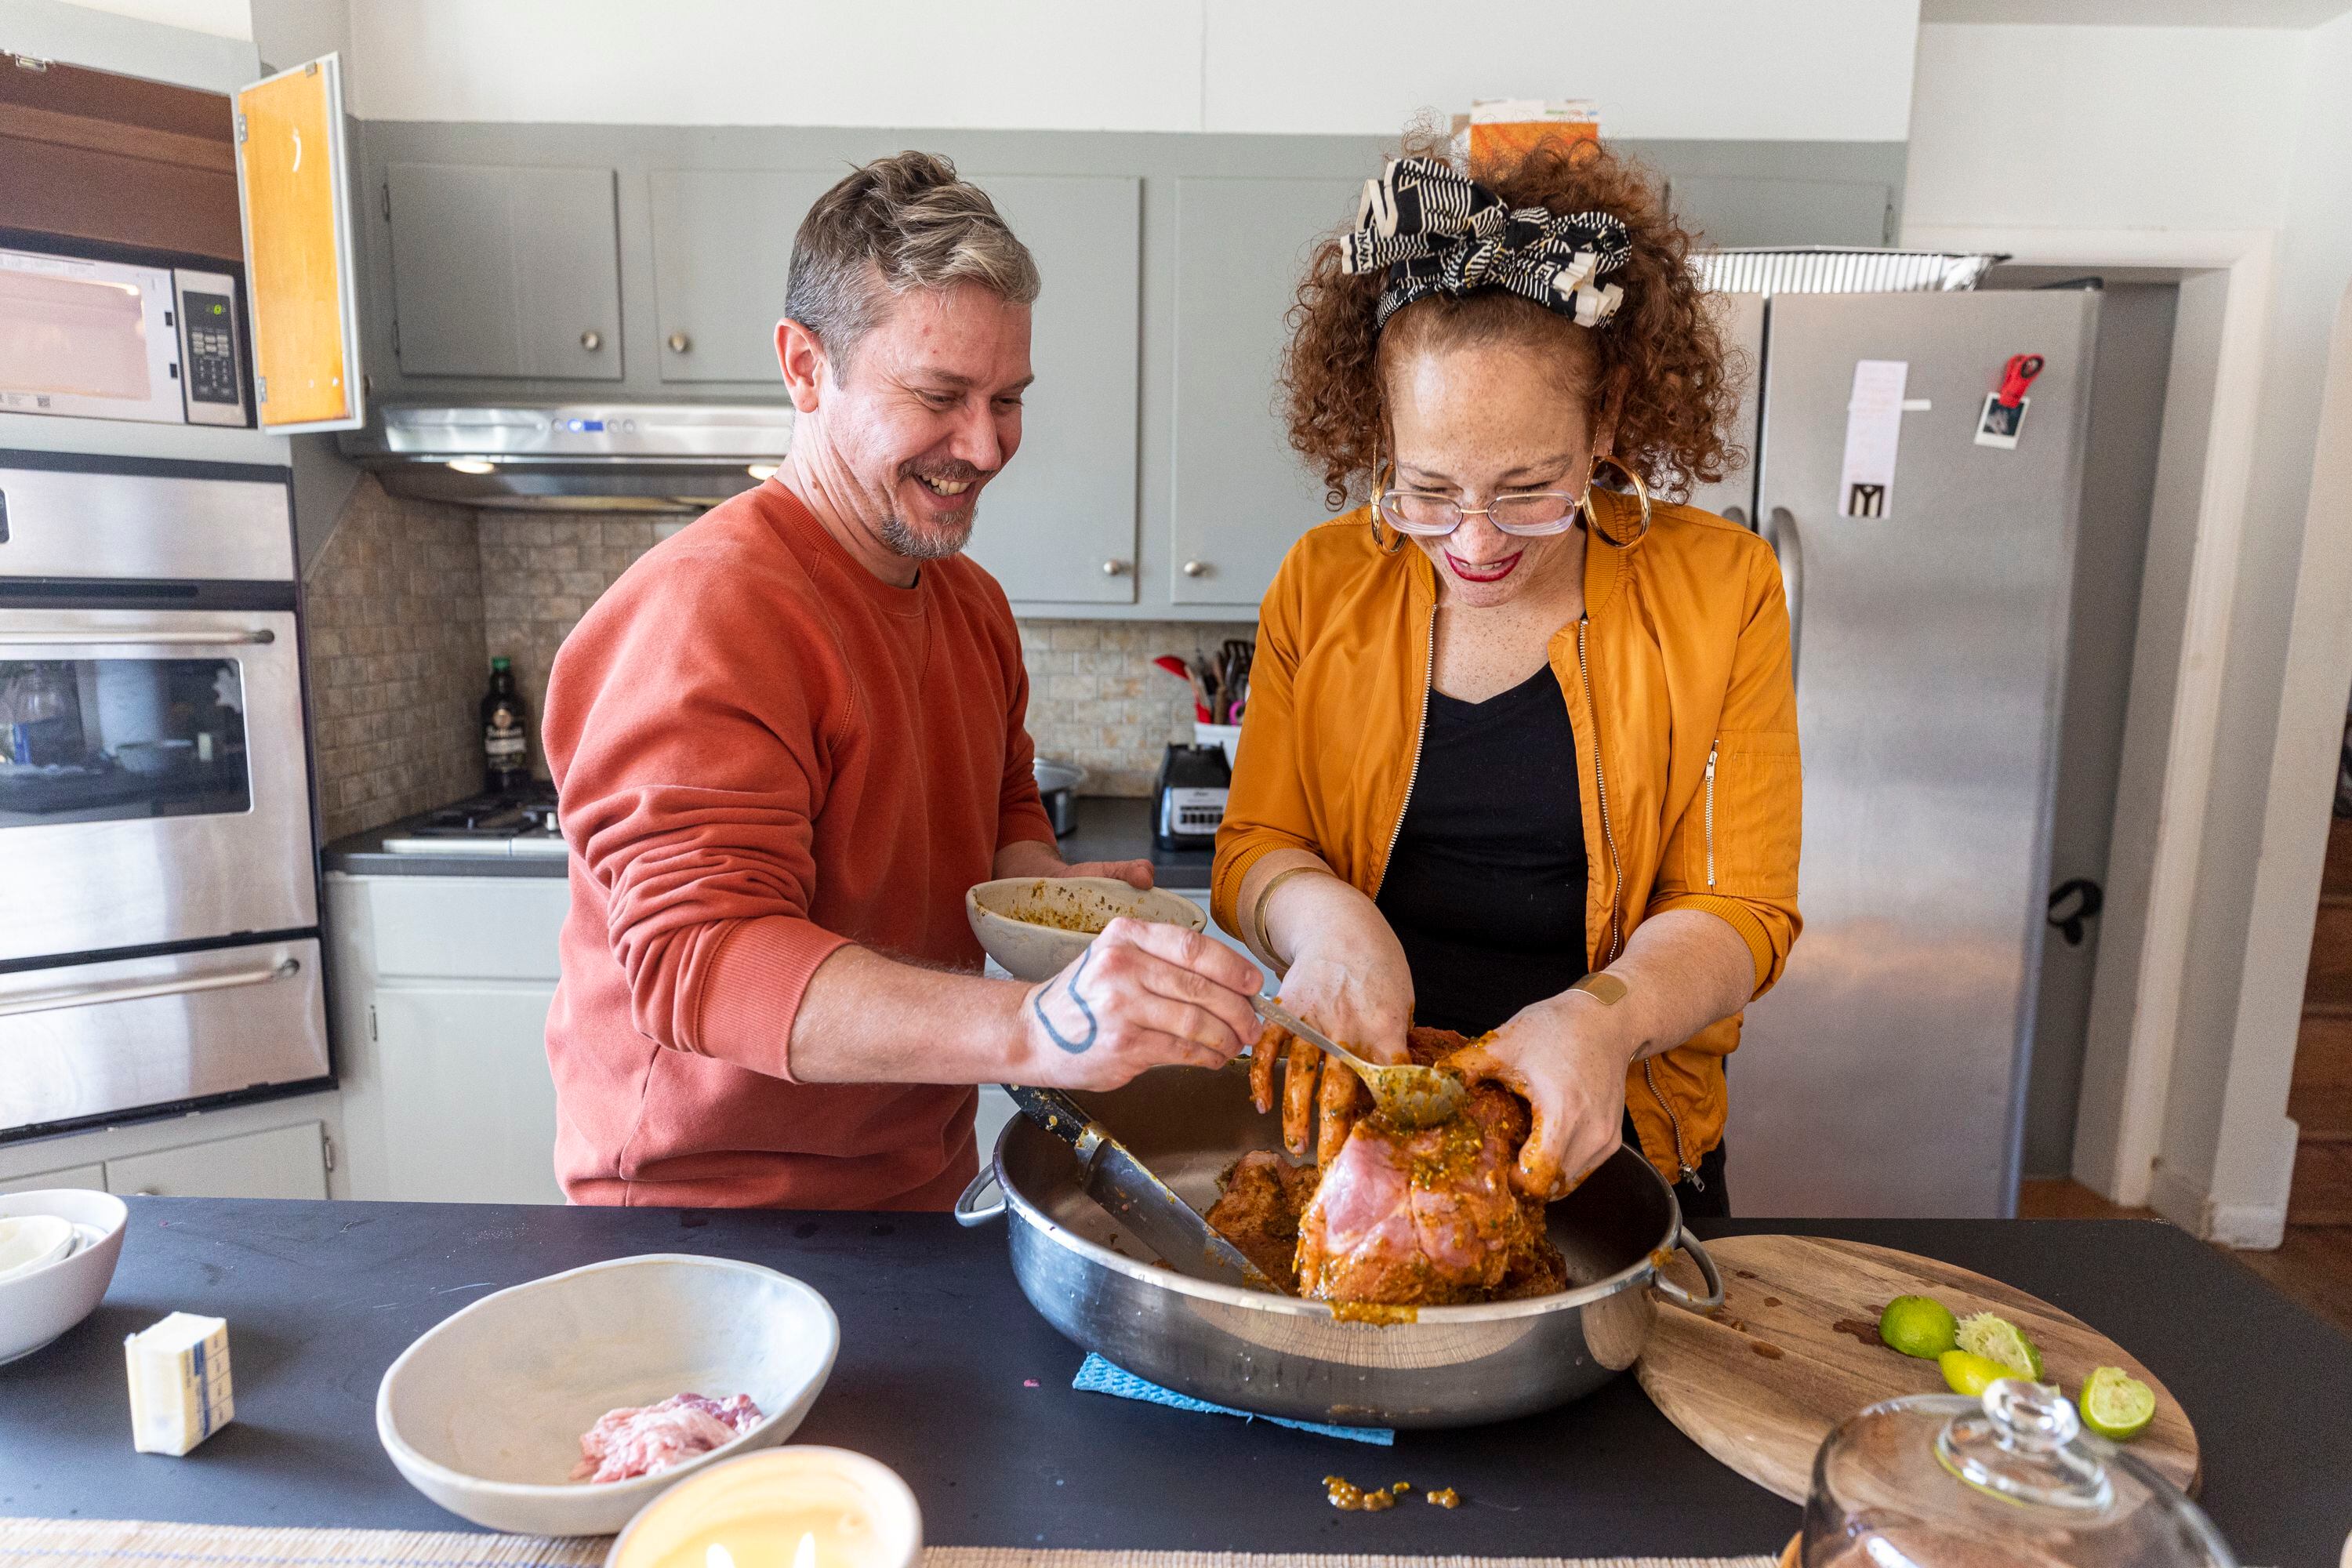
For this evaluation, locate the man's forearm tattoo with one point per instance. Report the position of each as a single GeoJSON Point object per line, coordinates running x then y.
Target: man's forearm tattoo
{"type": "Point", "coordinates": [1037, 1005]}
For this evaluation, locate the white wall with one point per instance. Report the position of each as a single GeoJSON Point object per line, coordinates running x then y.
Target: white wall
{"type": "Point", "coordinates": [108, 38]}
{"type": "Point", "coordinates": [2101, 127]}
{"type": "Point", "coordinates": [1662, 68]}
{"type": "Point", "coordinates": [2261, 878]}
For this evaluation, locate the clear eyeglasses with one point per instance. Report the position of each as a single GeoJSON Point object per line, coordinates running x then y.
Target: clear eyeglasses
{"type": "Point", "coordinates": [1529, 514]}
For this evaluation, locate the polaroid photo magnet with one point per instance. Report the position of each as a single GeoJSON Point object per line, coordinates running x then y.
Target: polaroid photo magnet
{"type": "Point", "coordinates": [1999, 424]}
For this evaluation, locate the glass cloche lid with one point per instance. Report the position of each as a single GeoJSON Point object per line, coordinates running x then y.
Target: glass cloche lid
{"type": "Point", "coordinates": [1945, 1481]}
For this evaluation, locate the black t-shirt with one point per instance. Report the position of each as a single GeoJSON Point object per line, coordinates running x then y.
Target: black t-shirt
{"type": "Point", "coordinates": [1485, 887]}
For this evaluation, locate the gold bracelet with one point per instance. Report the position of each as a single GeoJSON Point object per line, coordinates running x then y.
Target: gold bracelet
{"type": "Point", "coordinates": [1257, 914]}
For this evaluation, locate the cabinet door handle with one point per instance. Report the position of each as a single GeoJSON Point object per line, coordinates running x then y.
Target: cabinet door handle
{"type": "Point", "coordinates": [679, 343]}
{"type": "Point", "coordinates": [1196, 569]}
{"type": "Point", "coordinates": [592, 340]}
{"type": "Point", "coordinates": [1113, 568]}
{"type": "Point", "coordinates": [137, 989]}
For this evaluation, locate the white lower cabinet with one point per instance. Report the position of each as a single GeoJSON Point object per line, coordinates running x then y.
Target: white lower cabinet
{"type": "Point", "coordinates": [469, 1108]}
{"type": "Point", "coordinates": [441, 991]}
{"type": "Point", "coordinates": [89, 1178]}
{"type": "Point", "coordinates": [281, 1163]}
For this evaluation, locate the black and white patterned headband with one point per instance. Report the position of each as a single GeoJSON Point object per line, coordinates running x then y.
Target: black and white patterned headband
{"type": "Point", "coordinates": [1440, 233]}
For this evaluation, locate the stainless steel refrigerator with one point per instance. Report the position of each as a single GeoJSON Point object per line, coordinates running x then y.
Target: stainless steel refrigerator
{"type": "Point", "coordinates": [1886, 1074]}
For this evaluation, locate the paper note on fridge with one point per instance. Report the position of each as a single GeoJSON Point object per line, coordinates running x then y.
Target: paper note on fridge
{"type": "Point", "coordinates": [1873, 427]}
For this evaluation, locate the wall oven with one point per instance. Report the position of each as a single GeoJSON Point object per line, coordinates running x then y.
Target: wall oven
{"type": "Point", "coordinates": [158, 899]}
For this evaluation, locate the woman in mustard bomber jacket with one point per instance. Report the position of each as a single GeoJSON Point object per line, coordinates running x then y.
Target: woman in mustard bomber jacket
{"type": "Point", "coordinates": [1519, 757]}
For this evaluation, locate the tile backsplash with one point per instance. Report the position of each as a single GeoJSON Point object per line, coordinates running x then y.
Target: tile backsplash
{"type": "Point", "coordinates": [394, 626]}
{"type": "Point", "coordinates": [410, 600]}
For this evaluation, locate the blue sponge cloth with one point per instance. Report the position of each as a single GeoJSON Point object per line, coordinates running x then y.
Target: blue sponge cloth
{"type": "Point", "coordinates": [1099, 1376]}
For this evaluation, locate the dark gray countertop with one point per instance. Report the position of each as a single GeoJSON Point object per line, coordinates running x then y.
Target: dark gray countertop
{"type": "Point", "coordinates": [947, 1375]}
{"type": "Point", "coordinates": [1109, 829]}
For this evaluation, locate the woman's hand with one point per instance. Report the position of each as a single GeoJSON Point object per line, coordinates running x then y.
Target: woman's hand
{"type": "Point", "coordinates": [1566, 1058]}
{"type": "Point", "coordinates": [1350, 981]}
{"type": "Point", "coordinates": [1142, 994]}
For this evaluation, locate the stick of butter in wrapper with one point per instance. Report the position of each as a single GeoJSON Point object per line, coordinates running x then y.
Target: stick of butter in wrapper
{"type": "Point", "coordinates": [179, 1383]}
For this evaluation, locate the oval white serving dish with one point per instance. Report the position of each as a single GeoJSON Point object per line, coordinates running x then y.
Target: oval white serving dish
{"type": "Point", "coordinates": [37, 1307]}
{"type": "Point", "coordinates": [1014, 918]}
{"type": "Point", "coordinates": [484, 1413]}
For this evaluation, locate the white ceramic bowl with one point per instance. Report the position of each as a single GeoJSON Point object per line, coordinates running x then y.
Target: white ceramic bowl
{"type": "Point", "coordinates": [754, 1489]}
{"type": "Point", "coordinates": [484, 1413]}
{"type": "Point", "coordinates": [1034, 926]}
{"type": "Point", "coordinates": [35, 1307]}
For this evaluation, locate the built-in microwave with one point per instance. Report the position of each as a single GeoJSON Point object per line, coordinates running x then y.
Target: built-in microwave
{"type": "Point", "coordinates": [112, 339]}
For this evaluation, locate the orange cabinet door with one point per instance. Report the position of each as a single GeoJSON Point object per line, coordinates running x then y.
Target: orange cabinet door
{"type": "Point", "coordinates": [293, 179]}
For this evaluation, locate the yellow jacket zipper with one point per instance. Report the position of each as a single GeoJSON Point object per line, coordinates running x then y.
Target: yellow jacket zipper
{"type": "Point", "coordinates": [1419, 730]}
{"type": "Point", "coordinates": [1711, 749]}
{"type": "Point", "coordinates": [1616, 883]}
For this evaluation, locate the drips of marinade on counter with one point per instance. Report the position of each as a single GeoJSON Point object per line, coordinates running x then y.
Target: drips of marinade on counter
{"type": "Point", "coordinates": [1349, 1498]}
{"type": "Point", "coordinates": [1394, 1220]}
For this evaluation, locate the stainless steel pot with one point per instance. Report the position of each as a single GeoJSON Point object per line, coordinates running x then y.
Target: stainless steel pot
{"type": "Point", "coordinates": [1058, 787]}
{"type": "Point", "coordinates": [1450, 1366]}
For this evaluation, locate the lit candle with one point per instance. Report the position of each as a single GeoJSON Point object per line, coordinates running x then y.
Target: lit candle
{"type": "Point", "coordinates": [797, 1507]}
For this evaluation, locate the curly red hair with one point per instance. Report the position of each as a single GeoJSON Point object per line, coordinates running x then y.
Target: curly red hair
{"type": "Point", "coordinates": [1660, 363]}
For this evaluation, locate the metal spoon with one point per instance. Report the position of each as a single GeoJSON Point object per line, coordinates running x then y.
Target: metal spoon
{"type": "Point", "coordinates": [1412, 1097]}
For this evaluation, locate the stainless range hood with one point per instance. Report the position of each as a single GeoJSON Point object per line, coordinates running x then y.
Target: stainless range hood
{"type": "Point", "coordinates": [577, 457]}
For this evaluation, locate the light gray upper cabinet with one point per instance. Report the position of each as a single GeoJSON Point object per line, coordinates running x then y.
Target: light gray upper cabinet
{"type": "Point", "coordinates": [1240, 495]}
{"type": "Point", "coordinates": [1058, 526]}
{"type": "Point", "coordinates": [722, 255]}
{"type": "Point", "coordinates": [1769, 212]}
{"type": "Point", "coordinates": [500, 270]}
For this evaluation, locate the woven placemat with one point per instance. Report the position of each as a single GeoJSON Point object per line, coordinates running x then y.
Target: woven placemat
{"type": "Point", "coordinates": [131, 1543]}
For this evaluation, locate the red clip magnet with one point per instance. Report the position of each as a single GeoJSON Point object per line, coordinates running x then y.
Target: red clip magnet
{"type": "Point", "coordinates": [2015, 377]}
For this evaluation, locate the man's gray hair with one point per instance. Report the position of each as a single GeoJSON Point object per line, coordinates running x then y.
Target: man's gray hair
{"type": "Point", "coordinates": [896, 224]}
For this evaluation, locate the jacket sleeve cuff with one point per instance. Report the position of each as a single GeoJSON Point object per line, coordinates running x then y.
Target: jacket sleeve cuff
{"type": "Point", "coordinates": [1741, 919]}
{"type": "Point", "coordinates": [752, 990]}
{"type": "Point", "coordinates": [1226, 880]}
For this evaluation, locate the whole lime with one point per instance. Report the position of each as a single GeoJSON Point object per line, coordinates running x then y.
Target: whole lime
{"type": "Point", "coordinates": [1919, 1326]}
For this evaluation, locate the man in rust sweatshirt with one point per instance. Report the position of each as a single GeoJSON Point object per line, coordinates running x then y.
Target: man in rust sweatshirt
{"type": "Point", "coordinates": [790, 737]}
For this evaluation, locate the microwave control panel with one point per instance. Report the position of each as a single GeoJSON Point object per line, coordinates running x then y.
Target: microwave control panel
{"type": "Point", "coordinates": [208, 369]}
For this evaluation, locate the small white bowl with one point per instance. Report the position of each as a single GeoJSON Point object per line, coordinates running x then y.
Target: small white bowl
{"type": "Point", "coordinates": [753, 1486]}
{"type": "Point", "coordinates": [35, 1307]}
{"type": "Point", "coordinates": [484, 1413]}
{"type": "Point", "coordinates": [1034, 926]}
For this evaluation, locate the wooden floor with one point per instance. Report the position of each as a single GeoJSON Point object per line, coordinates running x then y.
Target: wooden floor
{"type": "Point", "coordinates": [2313, 1266]}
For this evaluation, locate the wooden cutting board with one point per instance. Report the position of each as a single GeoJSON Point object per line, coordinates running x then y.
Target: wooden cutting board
{"type": "Point", "coordinates": [1815, 1302]}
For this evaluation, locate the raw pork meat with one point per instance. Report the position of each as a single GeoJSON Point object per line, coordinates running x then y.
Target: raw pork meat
{"type": "Point", "coordinates": [1398, 1219]}
{"type": "Point", "coordinates": [629, 1443]}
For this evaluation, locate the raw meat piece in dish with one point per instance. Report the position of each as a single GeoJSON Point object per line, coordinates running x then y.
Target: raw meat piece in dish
{"type": "Point", "coordinates": [1401, 1218]}
{"type": "Point", "coordinates": [637, 1441]}
{"type": "Point", "coordinates": [1258, 1212]}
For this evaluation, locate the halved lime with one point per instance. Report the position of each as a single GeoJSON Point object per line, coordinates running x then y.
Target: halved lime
{"type": "Point", "coordinates": [1998, 1339]}
{"type": "Point", "coordinates": [2116, 1405]}
{"type": "Point", "coordinates": [1917, 1326]}
{"type": "Point", "coordinates": [1964, 1372]}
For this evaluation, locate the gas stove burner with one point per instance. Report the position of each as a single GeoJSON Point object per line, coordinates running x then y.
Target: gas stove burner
{"type": "Point", "coordinates": [486, 825]}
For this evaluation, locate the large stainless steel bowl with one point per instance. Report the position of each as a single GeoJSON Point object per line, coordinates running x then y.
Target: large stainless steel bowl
{"type": "Point", "coordinates": [1450, 1366]}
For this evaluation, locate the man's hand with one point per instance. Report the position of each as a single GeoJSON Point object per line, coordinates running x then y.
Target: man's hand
{"type": "Point", "coordinates": [1034, 857]}
{"type": "Point", "coordinates": [1566, 1058]}
{"type": "Point", "coordinates": [1143, 994]}
{"type": "Point", "coordinates": [1134, 873]}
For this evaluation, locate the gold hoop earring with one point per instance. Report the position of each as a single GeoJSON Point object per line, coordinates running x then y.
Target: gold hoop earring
{"type": "Point", "coordinates": [1641, 492]}
{"type": "Point", "coordinates": [1380, 489]}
